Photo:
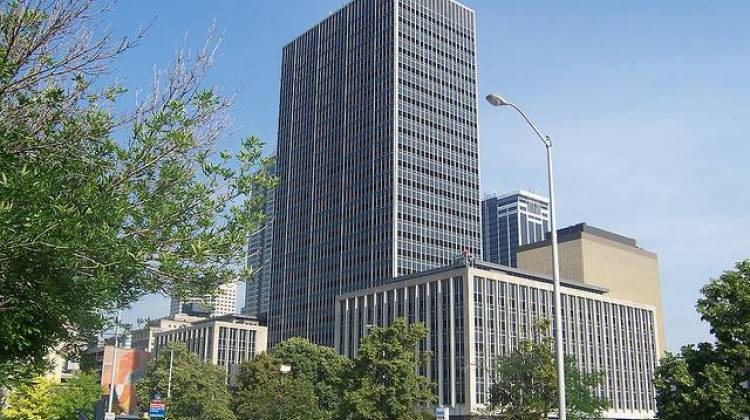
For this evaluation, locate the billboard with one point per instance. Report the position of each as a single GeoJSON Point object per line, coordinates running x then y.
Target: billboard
{"type": "Point", "coordinates": [130, 368]}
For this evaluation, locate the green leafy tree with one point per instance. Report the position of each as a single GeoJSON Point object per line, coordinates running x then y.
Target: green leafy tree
{"type": "Point", "coordinates": [46, 400]}
{"type": "Point", "coordinates": [265, 393]}
{"type": "Point", "coordinates": [320, 366]}
{"type": "Point", "coordinates": [199, 390]}
{"type": "Point", "coordinates": [102, 206]}
{"type": "Point", "coordinates": [77, 395]}
{"type": "Point", "coordinates": [384, 383]}
{"type": "Point", "coordinates": [710, 381]}
{"type": "Point", "coordinates": [524, 382]}
{"type": "Point", "coordinates": [31, 401]}
{"type": "Point", "coordinates": [581, 392]}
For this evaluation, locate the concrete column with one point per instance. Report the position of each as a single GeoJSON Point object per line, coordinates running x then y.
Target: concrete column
{"type": "Point", "coordinates": [439, 352]}
{"type": "Point", "coordinates": [470, 362]}
{"type": "Point", "coordinates": [452, 341]}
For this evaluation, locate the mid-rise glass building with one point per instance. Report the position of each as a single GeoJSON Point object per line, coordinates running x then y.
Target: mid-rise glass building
{"type": "Point", "coordinates": [378, 156]}
{"type": "Point", "coordinates": [510, 221]}
{"type": "Point", "coordinates": [259, 252]}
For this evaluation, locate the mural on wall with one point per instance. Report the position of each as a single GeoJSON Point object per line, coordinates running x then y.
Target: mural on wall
{"type": "Point", "coordinates": [131, 367]}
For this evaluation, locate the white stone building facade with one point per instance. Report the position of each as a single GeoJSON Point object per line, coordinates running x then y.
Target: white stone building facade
{"type": "Point", "coordinates": [475, 314]}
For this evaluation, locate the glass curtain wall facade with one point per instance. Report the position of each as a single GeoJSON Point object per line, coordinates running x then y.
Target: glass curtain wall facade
{"type": "Point", "coordinates": [377, 156]}
{"type": "Point", "coordinates": [510, 221]}
{"type": "Point", "coordinates": [475, 315]}
{"type": "Point", "coordinates": [259, 252]}
{"type": "Point", "coordinates": [438, 171]}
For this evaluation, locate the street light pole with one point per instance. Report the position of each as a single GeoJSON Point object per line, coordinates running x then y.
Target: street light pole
{"type": "Point", "coordinates": [114, 366]}
{"type": "Point", "coordinates": [497, 100]}
{"type": "Point", "coordinates": [169, 382]}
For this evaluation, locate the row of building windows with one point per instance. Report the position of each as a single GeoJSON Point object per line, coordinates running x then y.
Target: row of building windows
{"type": "Point", "coordinates": [435, 110]}
{"type": "Point", "coordinates": [454, 228]}
{"type": "Point", "coordinates": [414, 44]}
{"type": "Point", "coordinates": [455, 26]}
{"type": "Point", "coordinates": [436, 140]}
{"type": "Point", "coordinates": [425, 121]}
{"type": "Point", "coordinates": [437, 156]}
{"type": "Point", "coordinates": [472, 216]}
{"type": "Point", "coordinates": [438, 189]}
{"type": "Point", "coordinates": [424, 75]}
{"type": "Point", "coordinates": [466, 104]}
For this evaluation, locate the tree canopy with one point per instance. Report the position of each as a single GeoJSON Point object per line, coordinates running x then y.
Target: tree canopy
{"type": "Point", "coordinates": [381, 382]}
{"type": "Point", "coordinates": [46, 400]}
{"type": "Point", "coordinates": [320, 366]}
{"type": "Point", "coordinates": [384, 383]}
{"type": "Point", "coordinates": [711, 380]}
{"type": "Point", "coordinates": [266, 393]}
{"type": "Point", "coordinates": [102, 202]}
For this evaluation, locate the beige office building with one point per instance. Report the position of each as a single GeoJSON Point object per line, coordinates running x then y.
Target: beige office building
{"type": "Point", "coordinates": [477, 312]}
{"type": "Point", "coordinates": [225, 341]}
{"type": "Point", "coordinates": [145, 338]}
{"type": "Point", "coordinates": [594, 256]}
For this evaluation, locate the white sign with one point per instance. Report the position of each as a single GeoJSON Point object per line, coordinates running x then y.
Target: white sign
{"type": "Point", "coordinates": [109, 416]}
{"type": "Point", "coordinates": [441, 413]}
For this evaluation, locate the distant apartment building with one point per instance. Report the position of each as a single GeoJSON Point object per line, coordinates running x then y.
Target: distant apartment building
{"type": "Point", "coordinates": [223, 303]}
{"type": "Point", "coordinates": [595, 256]}
{"type": "Point", "coordinates": [145, 338]}
{"type": "Point", "coordinates": [510, 221]}
{"type": "Point", "coordinates": [378, 155]}
{"type": "Point", "coordinates": [225, 341]}
{"type": "Point", "coordinates": [259, 252]}
{"type": "Point", "coordinates": [476, 313]}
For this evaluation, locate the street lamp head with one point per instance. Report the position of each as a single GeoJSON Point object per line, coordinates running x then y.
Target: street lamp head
{"type": "Point", "coordinates": [497, 100]}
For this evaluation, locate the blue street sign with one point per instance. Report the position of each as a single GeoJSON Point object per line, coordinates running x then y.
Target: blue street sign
{"type": "Point", "coordinates": [156, 409]}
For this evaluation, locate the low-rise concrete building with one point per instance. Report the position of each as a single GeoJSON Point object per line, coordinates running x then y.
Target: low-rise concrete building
{"type": "Point", "coordinates": [225, 341]}
{"type": "Point", "coordinates": [478, 312]}
{"type": "Point", "coordinates": [144, 338]}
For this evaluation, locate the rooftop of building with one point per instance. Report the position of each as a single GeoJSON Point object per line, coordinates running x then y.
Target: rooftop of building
{"type": "Point", "coordinates": [178, 317]}
{"type": "Point", "coordinates": [462, 263]}
{"type": "Point", "coordinates": [229, 318]}
{"type": "Point", "coordinates": [523, 193]}
{"type": "Point", "coordinates": [236, 319]}
{"type": "Point", "coordinates": [333, 12]}
{"type": "Point", "coordinates": [574, 232]}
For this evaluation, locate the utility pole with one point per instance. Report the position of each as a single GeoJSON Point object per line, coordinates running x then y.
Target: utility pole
{"type": "Point", "coordinates": [114, 368]}
{"type": "Point", "coordinates": [169, 383]}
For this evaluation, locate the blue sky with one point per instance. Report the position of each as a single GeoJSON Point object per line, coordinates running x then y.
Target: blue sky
{"type": "Point", "coordinates": [647, 103]}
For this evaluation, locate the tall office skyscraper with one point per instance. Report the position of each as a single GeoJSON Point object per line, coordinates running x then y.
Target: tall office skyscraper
{"type": "Point", "coordinates": [510, 221]}
{"type": "Point", "coordinates": [377, 155]}
{"type": "Point", "coordinates": [259, 251]}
